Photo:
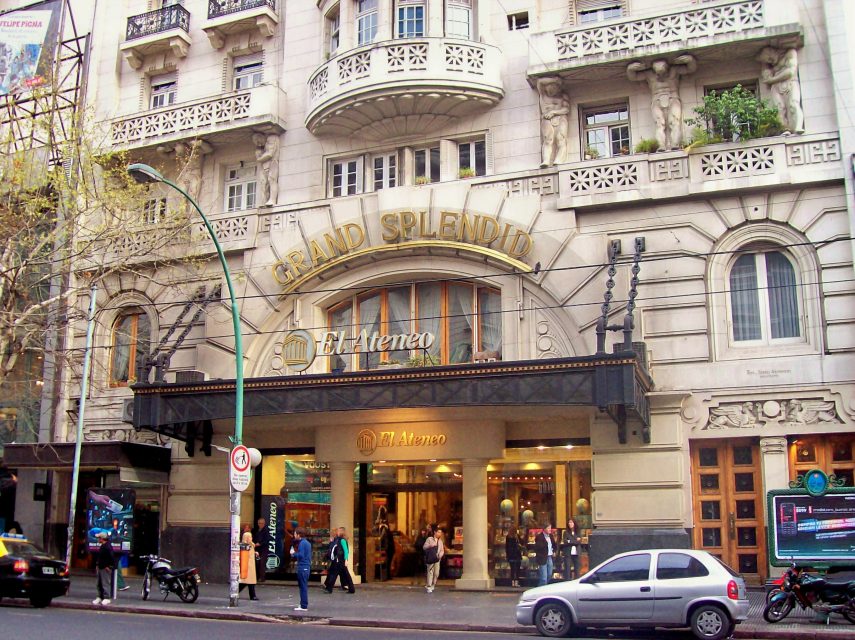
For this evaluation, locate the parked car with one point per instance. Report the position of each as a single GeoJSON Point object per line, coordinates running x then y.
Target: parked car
{"type": "Point", "coordinates": [27, 572]}
{"type": "Point", "coordinates": [643, 589]}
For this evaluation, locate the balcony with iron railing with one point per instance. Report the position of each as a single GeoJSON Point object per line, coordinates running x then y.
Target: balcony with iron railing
{"type": "Point", "coordinates": [224, 119]}
{"type": "Point", "coordinates": [229, 17]}
{"type": "Point", "coordinates": [713, 32]}
{"type": "Point", "coordinates": [403, 86]}
{"type": "Point", "coordinates": [157, 31]}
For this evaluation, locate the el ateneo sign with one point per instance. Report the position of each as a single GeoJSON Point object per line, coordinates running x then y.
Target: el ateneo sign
{"type": "Point", "coordinates": [405, 229]}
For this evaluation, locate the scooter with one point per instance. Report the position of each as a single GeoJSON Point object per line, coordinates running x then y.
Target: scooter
{"type": "Point", "coordinates": [182, 582]}
{"type": "Point", "coordinates": [810, 592]}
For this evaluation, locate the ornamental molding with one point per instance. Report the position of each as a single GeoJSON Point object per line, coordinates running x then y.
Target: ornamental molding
{"type": "Point", "coordinates": [819, 410]}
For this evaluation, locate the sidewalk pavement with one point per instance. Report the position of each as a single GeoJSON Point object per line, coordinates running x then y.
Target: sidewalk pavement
{"type": "Point", "coordinates": [395, 607]}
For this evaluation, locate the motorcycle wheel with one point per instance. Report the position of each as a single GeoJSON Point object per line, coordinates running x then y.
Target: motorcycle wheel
{"type": "Point", "coordinates": [849, 612]}
{"type": "Point", "coordinates": [146, 586]}
{"type": "Point", "coordinates": [189, 593]}
{"type": "Point", "coordinates": [778, 610]}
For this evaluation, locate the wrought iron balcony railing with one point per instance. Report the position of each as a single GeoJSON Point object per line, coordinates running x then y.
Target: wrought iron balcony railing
{"type": "Point", "coordinates": [219, 8]}
{"type": "Point", "coordinates": [172, 17]}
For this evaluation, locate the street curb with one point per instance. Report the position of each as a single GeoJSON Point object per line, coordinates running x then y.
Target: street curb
{"type": "Point", "coordinates": [175, 613]}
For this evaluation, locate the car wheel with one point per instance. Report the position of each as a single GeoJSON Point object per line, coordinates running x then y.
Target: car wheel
{"type": "Point", "coordinates": [849, 613]}
{"type": "Point", "coordinates": [710, 623]}
{"type": "Point", "coordinates": [553, 620]}
{"type": "Point", "coordinates": [778, 609]}
{"type": "Point", "coordinates": [40, 602]}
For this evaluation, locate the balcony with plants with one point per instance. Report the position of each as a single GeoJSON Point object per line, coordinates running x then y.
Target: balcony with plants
{"type": "Point", "coordinates": [403, 86]}
{"type": "Point", "coordinates": [713, 33]}
{"type": "Point", "coordinates": [230, 17]}
{"type": "Point", "coordinates": [164, 29]}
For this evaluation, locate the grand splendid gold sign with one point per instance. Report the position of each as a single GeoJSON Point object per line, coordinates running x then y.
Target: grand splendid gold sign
{"type": "Point", "coordinates": [403, 229]}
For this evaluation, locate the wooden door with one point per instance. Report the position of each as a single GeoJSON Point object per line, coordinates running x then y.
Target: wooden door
{"type": "Point", "coordinates": [727, 492]}
{"type": "Point", "coordinates": [834, 454]}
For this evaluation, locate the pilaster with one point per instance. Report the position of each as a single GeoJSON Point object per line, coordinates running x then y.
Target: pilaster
{"type": "Point", "coordinates": [475, 569]}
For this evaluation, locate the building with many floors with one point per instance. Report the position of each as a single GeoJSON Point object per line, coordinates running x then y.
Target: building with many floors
{"type": "Point", "coordinates": [472, 290]}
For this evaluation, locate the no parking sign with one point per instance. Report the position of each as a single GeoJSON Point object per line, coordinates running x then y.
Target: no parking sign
{"type": "Point", "coordinates": [239, 472]}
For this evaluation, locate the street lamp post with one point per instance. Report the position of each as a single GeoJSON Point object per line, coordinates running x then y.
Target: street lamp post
{"type": "Point", "coordinates": [143, 173]}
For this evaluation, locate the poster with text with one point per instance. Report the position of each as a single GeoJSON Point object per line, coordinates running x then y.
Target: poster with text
{"type": "Point", "coordinates": [813, 528]}
{"type": "Point", "coordinates": [28, 40]}
{"type": "Point", "coordinates": [111, 511]}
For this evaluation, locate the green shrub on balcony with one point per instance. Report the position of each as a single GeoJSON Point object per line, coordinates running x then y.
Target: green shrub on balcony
{"type": "Point", "coordinates": [734, 115]}
{"type": "Point", "coordinates": [466, 172]}
{"type": "Point", "coordinates": [647, 145]}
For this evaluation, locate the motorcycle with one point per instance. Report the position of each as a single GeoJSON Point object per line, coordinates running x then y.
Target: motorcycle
{"type": "Point", "coordinates": [810, 592]}
{"type": "Point", "coordinates": [182, 582]}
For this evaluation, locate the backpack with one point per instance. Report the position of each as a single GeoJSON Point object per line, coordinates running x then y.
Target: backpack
{"type": "Point", "coordinates": [432, 555]}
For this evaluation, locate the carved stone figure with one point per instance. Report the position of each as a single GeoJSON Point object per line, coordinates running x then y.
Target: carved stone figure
{"type": "Point", "coordinates": [191, 156]}
{"type": "Point", "coordinates": [267, 156]}
{"type": "Point", "coordinates": [663, 78]}
{"type": "Point", "coordinates": [781, 74]}
{"type": "Point", "coordinates": [738, 416]}
{"type": "Point", "coordinates": [554, 125]}
{"type": "Point", "coordinates": [810, 411]}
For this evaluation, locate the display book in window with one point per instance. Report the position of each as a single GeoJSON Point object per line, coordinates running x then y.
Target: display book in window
{"type": "Point", "coordinates": [497, 554]}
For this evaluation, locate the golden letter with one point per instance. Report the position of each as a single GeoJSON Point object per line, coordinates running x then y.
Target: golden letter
{"type": "Point", "coordinates": [298, 264]}
{"type": "Point", "coordinates": [515, 252]}
{"type": "Point", "coordinates": [336, 242]}
{"type": "Point", "coordinates": [483, 237]}
{"type": "Point", "coordinates": [447, 223]}
{"type": "Point", "coordinates": [408, 222]}
{"type": "Point", "coordinates": [424, 225]}
{"type": "Point", "coordinates": [281, 273]}
{"type": "Point", "coordinates": [317, 254]}
{"type": "Point", "coordinates": [468, 228]}
{"type": "Point", "coordinates": [390, 229]}
{"type": "Point", "coordinates": [354, 235]}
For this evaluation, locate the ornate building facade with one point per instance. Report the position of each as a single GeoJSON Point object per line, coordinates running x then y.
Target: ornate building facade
{"type": "Point", "coordinates": [432, 210]}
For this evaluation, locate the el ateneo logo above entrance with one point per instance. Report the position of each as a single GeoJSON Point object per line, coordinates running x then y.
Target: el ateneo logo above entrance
{"type": "Point", "coordinates": [299, 348]}
{"type": "Point", "coordinates": [464, 230]}
{"type": "Point", "coordinates": [368, 441]}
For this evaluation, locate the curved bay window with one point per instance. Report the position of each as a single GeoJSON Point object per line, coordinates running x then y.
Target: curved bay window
{"type": "Point", "coordinates": [763, 298]}
{"type": "Point", "coordinates": [129, 344]}
{"type": "Point", "coordinates": [462, 319]}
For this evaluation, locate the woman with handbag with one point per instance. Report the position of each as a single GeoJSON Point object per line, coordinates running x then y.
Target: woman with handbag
{"type": "Point", "coordinates": [434, 550]}
{"type": "Point", "coordinates": [514, 555]}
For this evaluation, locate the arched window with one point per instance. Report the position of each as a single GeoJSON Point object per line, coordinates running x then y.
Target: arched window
{"type": "Point", "coordinates": [130, 343]}
{"type": "Point", "coordinates": [764, 298]}
{"type": "Point", "coordinates": [463, 319]}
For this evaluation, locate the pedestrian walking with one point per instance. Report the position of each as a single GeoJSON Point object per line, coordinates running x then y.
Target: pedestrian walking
{"type": "Point", "coordinates": [344, 572]}
{"type": "Point", "coordinates": [262, 549]}
{"type": "Point", "coordinates": [250, 579]}
{"type": "Point", "coordinates": [105, 562]}
{"type": "Point", "coordinates": [544, 549]}
{"type": "Point", "coordinates": [434, 550]}
{"type": "Point", "coordinates": [303, 557]}
{"type": "Point", "coordinates": [514, 555]}
{"type": "Point", "coordinates": [334, 553]}
{"type": "Point", "coordinates": [420, 556]}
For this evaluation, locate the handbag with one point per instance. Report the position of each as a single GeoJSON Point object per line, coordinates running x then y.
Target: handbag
{"type": "Point", "coordinates": [431, 555]}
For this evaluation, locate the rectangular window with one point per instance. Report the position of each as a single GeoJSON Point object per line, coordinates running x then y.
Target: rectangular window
{"type": "Point", "coordinates": [248, 72]}
{"type": "Point", "coordinates": [518, 21]}
{"type": "Point", "coordinates": [598, 15]}
{"type": "Point", "coordinates": [472, 157]}
{"type": "Point", "coordinates": [240, 188]}
{"type": "Point", "coordinates": [606, 131]}
{"type": "Point", "coordinates": [411, 19]}
{"type": "Point", "coordinates": [366, 21]}
{"type": "Point", "coordinates": [346, 177]}
{"type": "Point", "coordinates": [427, 165]}
{"type": "Point", "coordinates": [385, 171]}
{"type": "Point", "coordinates": [164, 90]}
{"type": "Point", "coordinates": [458, 19]}
{"type": "Point", "coordinates": [333, 27]}
{"type": "Point", "coordinates": [154, 210]}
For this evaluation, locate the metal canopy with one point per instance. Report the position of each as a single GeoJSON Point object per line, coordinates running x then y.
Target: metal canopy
{"type": "Point", "coordinates": [615, 383]}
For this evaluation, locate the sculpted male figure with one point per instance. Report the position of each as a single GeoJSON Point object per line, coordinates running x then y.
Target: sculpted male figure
{"type": "Point", "coordinates": [554, 109]}
{"type": "Point", "coordinates": [780, 73]}
{"type": "Point", "coordinates": [663, 78]}
{"type": "Point", "coordinates": [267, 155]}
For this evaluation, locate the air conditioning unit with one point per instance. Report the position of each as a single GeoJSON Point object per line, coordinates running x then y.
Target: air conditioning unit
{"type": "Point", "coordinates": [128, 411]}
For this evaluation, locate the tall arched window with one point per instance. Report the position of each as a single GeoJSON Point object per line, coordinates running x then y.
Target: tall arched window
{"type": "Point", "coordinates": [763, 298]}
{"type": "Point", "coordinates": [130, 343]}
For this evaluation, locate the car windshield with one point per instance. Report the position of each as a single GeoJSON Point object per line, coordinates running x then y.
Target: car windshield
{"type": "Point", "coordinates": [728, 569]}
{"type": "Point", "coordinates": [17, 548]}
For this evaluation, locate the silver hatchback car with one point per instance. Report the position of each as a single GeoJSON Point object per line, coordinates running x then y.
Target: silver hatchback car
{"type": "Point", "coordinates": [649, 588]}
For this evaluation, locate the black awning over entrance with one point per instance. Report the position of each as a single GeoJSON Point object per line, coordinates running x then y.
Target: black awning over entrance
{"type": "Point", "coordinates": [93, 455]}
{"type": "Point", "coordinates": [616, 383]}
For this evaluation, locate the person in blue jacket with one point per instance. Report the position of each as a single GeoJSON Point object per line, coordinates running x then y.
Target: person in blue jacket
{"type": "Point", "coordinates": [303, 557]}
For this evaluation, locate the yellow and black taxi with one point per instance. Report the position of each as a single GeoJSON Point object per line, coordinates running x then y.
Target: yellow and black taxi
{"type": "Point", "coordinates": [27, 572]}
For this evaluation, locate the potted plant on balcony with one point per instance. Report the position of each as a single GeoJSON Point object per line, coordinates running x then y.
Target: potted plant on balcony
{"type": "Point", "coordinates": [420, 180]}
{"type": "Point", "coordinates": [733, 115]}
{"type": "Point", "coordinates": [466, 172]}
{"type": "Point", "coordinates": [591, 153]}
{"type": "Point", "coordinates": [422, 360]}
{"type": "Point", "coordinates": [647, 145]}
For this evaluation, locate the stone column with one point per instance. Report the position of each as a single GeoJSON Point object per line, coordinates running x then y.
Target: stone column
{"type": "Point", "coordinates": [385, 22]}
{"type": "Point", "coordinates": [341, 501]}
{"type": "Point", "coordinates": [435, 28]}
{"type": "Point", "coordinates": [475, 544]}
{"type": "Point", "coordinates": [774, 467]}
{"type": "Point", "coordinates": [347, 26]}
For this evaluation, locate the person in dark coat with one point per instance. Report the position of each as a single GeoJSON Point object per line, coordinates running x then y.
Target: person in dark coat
{"type": "Point", "coordinates": [571, 550]}
{"type": "Point", "coordinates": [544, 549]}
{"type": "Point", "coordinates": [105, 562]}
{"type": "Point", "coordinates": [514, 555]}
{"type": "Point", "coordinates": [262, 548]}
{"type": "Point", "coordinates": [334, 555]}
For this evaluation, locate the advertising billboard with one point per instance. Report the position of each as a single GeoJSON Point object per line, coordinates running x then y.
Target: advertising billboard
{"type": "Point", "coordinates": [812, 528]}
{"type": "Point", "coordinates": [28, 41]}
{"type": "Point", "coordinates": [111, 511]}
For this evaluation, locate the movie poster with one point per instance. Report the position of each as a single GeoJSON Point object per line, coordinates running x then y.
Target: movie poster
{"type": "Point", "coordinates": [111, 510]}
{"type": "Point", "coordinates": [28, 40]}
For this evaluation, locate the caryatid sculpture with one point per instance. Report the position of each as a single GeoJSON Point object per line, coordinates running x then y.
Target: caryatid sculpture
{"type": "Point", "coordinates": [663, 78]}
{"type": "Point", "coordinates": [781, 74]}
{"type": "Point", "coordinates": [267, 156]}
{"type": "Point", "coordinates": [554, 123]}
{"type": "Point", "coordinates": [191, 156]}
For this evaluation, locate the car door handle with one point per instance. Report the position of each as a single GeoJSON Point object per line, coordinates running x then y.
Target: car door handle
{"type": "Point", "coordinates": [645, 589]}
